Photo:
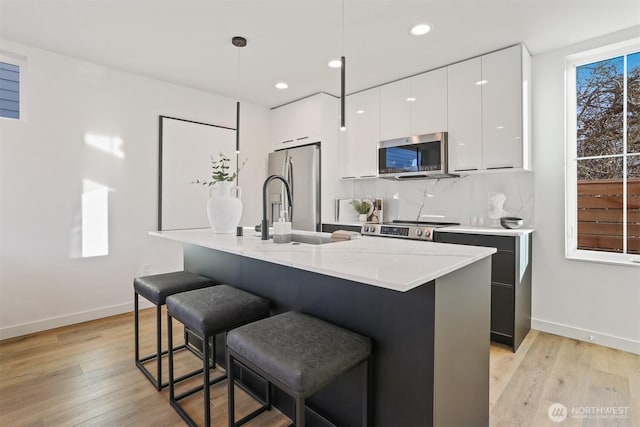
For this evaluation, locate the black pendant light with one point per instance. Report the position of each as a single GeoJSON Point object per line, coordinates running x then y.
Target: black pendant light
{"type": "Point", "coordinates": [238, 42]}
{"type": "Point", "coordinates": [343, 73]}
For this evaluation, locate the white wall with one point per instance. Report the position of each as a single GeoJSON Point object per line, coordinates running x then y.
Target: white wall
{"type": "Point", "coordinates": [572, 298]}
{"type": "Point", "coordinates": [44, 280]}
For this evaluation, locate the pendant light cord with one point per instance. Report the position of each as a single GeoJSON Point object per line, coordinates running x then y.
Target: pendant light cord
{"type": "Point", "coordinates": [343, 71]}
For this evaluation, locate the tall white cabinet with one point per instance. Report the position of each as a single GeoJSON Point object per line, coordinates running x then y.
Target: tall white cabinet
{"type": "Point", "coordinates": [465, 115]}
{"type": "Point", "coordinates": [311, 120]}
{"type": "Point", "coordinates": [489, 115]}
{"type": "Point", "coordinates": [358, 144]}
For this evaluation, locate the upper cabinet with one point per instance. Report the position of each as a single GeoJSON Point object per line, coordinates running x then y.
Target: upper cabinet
{"type": "Point", "coordinates": [358, 144]}
{"type": "Point", "coordinates": [465, 115]}
{"type": "Point", "coordinates": [414, 106]}
{"type": "Point", "coordinates": [395, 110]}
{"type": "Point", "coordinates": [502, 108]}
{"type": "Point", "coordinates": [428, 102]}
{"type": "Point", "coordinates": [297, 123]}
{"type": "Point", "coordinates": [489, 113]}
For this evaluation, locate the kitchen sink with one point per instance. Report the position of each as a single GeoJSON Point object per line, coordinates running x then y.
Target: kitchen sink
{"type": "Point", "coordinates": [310, 239]}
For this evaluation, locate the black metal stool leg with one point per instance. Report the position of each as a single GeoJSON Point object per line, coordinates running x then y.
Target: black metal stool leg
{"type": "Point", "coordinates": [299, 421]}
{"type": "Point", "coordinates": [205, 366]}
{"type": "Point", "coordinates": [170, 343]}
{"type": "Point", "coordinates": [366, 393]}
{"type": "Point", "coordinates": [230, 391]}
{"type": "Point", "coordinates": [159, 346]}
{"type": "Point", "coordinates": [136, 323]}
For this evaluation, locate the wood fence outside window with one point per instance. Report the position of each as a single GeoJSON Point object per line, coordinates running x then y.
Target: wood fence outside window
{"type": "Point", "coordinates": [600, 220]}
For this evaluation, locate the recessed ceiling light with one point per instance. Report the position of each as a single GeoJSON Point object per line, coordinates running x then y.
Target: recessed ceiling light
{"type": "Point", "coordinates": [411, 99]}
{"type": "Point", "coordinates": [420, 29]}
{"type": "Point", "coordinates": [282, 85]}
{"type": "Point", "coordinates": [360, 112]}
{"type": "Point", "coordinates": [481, 82]}
{"type": "Point", "coordinates": [335, 63]}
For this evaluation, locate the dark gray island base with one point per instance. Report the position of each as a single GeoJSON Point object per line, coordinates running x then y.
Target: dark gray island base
{"type": "Point", "coordinates": [430, 344]}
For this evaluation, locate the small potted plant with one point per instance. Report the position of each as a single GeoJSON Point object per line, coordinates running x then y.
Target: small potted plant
{"type": "Point", "coordinates": [363, 207]}
{"type": "Point", "coordinates": [224, 208]}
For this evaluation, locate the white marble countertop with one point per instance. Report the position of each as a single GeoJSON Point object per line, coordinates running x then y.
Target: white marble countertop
{"type": "Point", "coordinates": [394, 264]}
{"type": "Point", "coordinates": [495, 231]}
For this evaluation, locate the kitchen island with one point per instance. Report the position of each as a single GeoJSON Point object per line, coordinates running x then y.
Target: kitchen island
{"type": "Point", "coordinates": [425, 306]}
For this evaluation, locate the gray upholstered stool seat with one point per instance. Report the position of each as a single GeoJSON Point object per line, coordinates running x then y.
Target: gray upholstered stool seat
{"type": "Point", "coordinates": [156, 288]}
{"type": "Point", "coordinates": [298, 353]}
{"type": "Point", "coordinates": [206, 313]}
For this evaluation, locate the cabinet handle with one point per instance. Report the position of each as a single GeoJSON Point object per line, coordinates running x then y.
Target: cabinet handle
{"type": "Point", "coordinates": [301, 138]}
{"type": "Point", "coordinates": [463, 170]}
{"type": "Point", "coordinates": [288, 140]}
{"type": "Point", "coordinates": [348, 177]}
{"type": "Point", "coordinates": [500, 167]}
{"type": "Point", "coordinates": [368, 176]}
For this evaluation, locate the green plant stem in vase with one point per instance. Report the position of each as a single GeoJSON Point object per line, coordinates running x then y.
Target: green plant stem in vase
{"type": "Point", "coordinates": [220, 171]}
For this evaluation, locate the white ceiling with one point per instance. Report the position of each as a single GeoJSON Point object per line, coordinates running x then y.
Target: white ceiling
{"type": "Point", "coordinates": [188, 42]}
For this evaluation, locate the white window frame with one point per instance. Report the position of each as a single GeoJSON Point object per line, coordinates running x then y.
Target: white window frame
{"type": "Point", "coordinates": [571, 184]}
{"type": "Point", "coordinates": [21, 61]}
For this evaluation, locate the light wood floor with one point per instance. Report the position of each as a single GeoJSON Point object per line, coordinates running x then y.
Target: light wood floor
{"type": "Point", "coordinates": [84, 375]}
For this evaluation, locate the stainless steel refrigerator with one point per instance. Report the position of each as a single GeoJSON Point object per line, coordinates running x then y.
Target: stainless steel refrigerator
{"type": "Point", "coordinates": [300, 166]}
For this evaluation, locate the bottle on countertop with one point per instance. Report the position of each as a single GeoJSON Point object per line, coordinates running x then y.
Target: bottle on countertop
{"type": "Point", "coordinates": [282, 229]}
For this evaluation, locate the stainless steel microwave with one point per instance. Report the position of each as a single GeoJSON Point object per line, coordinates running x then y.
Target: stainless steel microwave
{"type": "Point", "coordinates": [420, 156]}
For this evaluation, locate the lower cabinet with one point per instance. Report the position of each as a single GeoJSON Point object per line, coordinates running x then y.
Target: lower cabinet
{"type": "Point", "coordinates": [510, 282]}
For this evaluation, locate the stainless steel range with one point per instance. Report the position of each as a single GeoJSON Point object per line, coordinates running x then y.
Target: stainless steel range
{"type": "Point", "coordinates": [415, 230]}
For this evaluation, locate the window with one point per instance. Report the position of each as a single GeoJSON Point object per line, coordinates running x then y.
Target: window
{"type": "Point", "coordinates": [603, 154]}
{"type": "Point", "coordinates": [9, 90]}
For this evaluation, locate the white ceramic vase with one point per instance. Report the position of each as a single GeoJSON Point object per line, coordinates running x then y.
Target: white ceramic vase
{"type": "Point", "coordinates": [224, 207]}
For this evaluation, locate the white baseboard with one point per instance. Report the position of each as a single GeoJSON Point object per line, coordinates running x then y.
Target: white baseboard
{"type": "Point", "coordinates": [68, 319]}
{"type": "Point", "coordinates": [586, 335]}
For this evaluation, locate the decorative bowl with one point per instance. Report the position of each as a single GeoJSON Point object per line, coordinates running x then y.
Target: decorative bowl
{"type": "Point", "coordinates": [511, 222]}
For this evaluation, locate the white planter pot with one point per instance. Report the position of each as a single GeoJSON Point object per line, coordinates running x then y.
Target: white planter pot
{"type": "Point", "coordinates": [224, 208]}
{"type": "Point", "coordinates": [362, 217]}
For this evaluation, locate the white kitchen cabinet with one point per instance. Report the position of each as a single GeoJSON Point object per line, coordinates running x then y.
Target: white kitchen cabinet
{"type": "Point", "coordinates": [414, 106]}
{"type": "Point", "coordinates": [348, 148]}
{"type": "Point", "coordinates": [307, 121]}
{"type": "Point", "coordinates": [492, 135]}
{"type": "Point", "coordinates": [465, 115]}
{"type": "Point", "coordinates": [359, 143]}
{"type": "Point", "coordinates": [395, 110]}
{"type": "Point", "coordinates": [297, 123]}
{"type": "Point", "coordinates": [502, 109]}
{"type": "Point", "coordinates": [429, 105]}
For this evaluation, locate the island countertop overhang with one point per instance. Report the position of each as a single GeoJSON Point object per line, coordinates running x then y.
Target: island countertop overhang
{"type": "Point", "coordinates": [394, 264]}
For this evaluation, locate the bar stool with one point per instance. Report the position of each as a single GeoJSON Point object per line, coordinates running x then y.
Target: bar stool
{"type": "Point", "coordinates": [299, 354]}
{"type": "Point", "coordinates": [156, 289]}
{"type": "Point", "coordinates": [206, 313]}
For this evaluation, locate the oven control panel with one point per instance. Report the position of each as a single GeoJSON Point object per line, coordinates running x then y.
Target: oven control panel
{"type": "Point", "coordinates": [401, 231]}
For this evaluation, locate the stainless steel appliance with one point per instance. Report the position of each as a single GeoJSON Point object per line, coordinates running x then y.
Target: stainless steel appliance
{"type": "Point", "coordinates": [420, 156]}
{"type": "Point", "coordinates": [414, 230]}
{"type": "Point", "coordinates": [300, 166]}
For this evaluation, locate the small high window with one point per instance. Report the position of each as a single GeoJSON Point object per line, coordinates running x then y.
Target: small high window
{"type": "Point", "coordinates": [9, 90]}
